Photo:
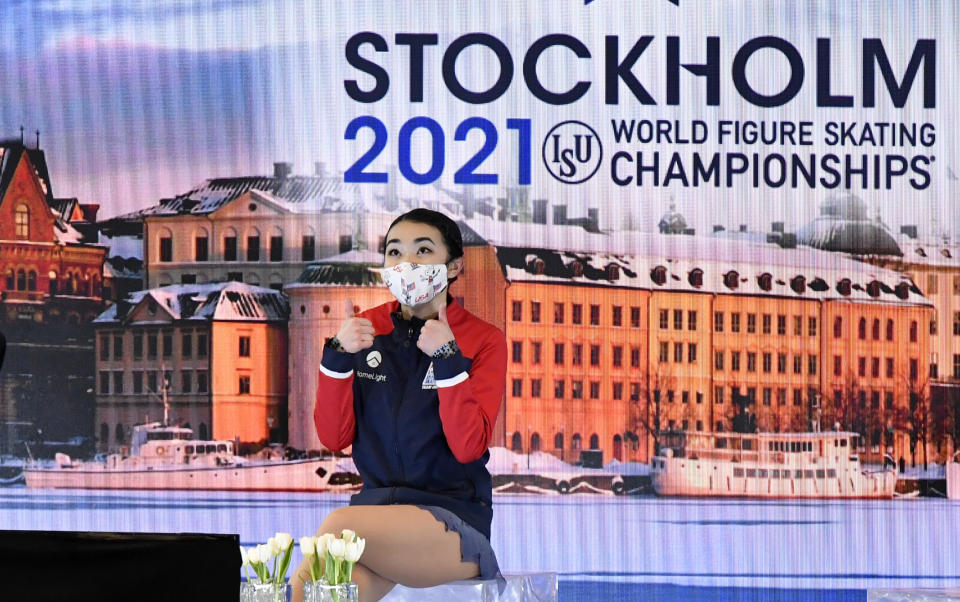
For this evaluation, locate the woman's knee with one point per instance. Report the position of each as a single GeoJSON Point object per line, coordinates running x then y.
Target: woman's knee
{"type": "Point", "coordinates": [338, 520]}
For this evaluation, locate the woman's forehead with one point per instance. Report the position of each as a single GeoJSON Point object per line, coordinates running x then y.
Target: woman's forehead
{"type": "Point", "coordinates": [407, 232]}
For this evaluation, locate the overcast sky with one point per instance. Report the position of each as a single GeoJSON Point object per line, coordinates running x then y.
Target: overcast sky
{"type": "Point", "coordinates": [139, 101]}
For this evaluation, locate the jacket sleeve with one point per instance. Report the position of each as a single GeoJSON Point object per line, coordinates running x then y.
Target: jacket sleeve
{"type": "Point", "coordinates": [333, 413]}
{"type": "Point", "coordinates": [470, 392]}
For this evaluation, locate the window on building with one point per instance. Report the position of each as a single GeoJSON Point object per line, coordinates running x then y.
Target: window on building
{"type": "Point", "coordinates": [889, 329]}
{"type": "Point", "coordinates": [594, 355]}
{"type": "Point", "coordinates": [782, 363]}
{"type": "Point", "coordinates": [517, 387]}
{"type": "Point", "coordinates": [797, 326]}
{"type": "Point", "coordinates": [862, 329]}
{"type": "Point", "coordinates": [718, 321]}
{"type": "Point", "coordinates": [931, 284]}
{"type": "Point", "coordinates": [634, 317]}
{"type": "Point", "coordinates": [617, 391]}
{"type": "Point", "coordinates": [767, 320]}
{"type": "Point", "coordinates": [691, 320]}
{"type": "Point", "coordinates": [685, 397]}
{"type": "Point", "coordinates": [692, 353]}
{"type": "Point", "coordinates": [202, 385]}
{"type": "Point", "coordinates": [201, 248]}
{"type": "Point", "coordinates": [558, 354]}
{"type": "Point", "coordinates": [576, 313]}
{"type": "Point", "coordinates": [718, 360]}
{"type": "Point", "coordinates": [766, 396]}
{"type": "Point", "coordinates": [734, 322]}
{"type": "Point", "coordinates": [594, 315]}
{"type": "Point", "coordinates": [576, 354]}
{"type": "Point", "coordinates": [862, 367]}
{"type": "Point", "coordinates": [22, 221]}
{"type": "Point", "coordinates": [670, 396]}
{"type": "Point", "coordinates": [798, 397]}
{"type": "Point", "coordinates": [812, 326]}
{"type": "Point", "coordinates": [875, 330]}
{"type": "Point", "coordinates": [837, 365]}
{"type": "Point", "coordinates": [186, 345]}
{"type": "Point", "coordinates": [536, 385]}
{"type": "Point", "coordinates": [244, 385]}
{"type": "Point", "coordinates": [838, 327]}
{"type": "Point", "coordinates": [956, 365]}
{"type": "Point", "coordinates": [104, 347]}
{"type": "Point", "coordinates": [751, 361]}
{"type": "Point", "coordinates": [167, 338]}
{"type": "Point", "coordinates": [152, 382]}
{"type": "Point", "coordinates": [234, 276]}
{"type": "Point", "coordinates": [105, 380]}
{"type": "Point", "coordinates": [781, 324]}
{"type": "Point", "coordinates": [535, 348]}
{"type": "Point", "coordinates": [535, 312]}
{"type": "Point", "coordinates": [244, 346]}
{"type": "Point", "coordinates": [186, 381]}
{"type": "Point", "coordinates": [782, 396]}
{"type": "Point", "coordinates": [718, 395]}
{"type": "Point", "coordinates": [888, 400]}
{"type": "Point", "coordinates": [767, 362]}
{"type": "Point", "coordinates": [117, 346]}
{"type": "Point", "coordinates": [137, 382]}
{"type": "Point", "coordinates": [812, 365]}
{"type": "Point", "coordinates": [152, 346]}
{"type": "Point", "coordinates": [253, 248]}
{"type": "Point", "coordinates": [516, 352]}
{"type": "Point", "coordinates": [914, 368]}
{"type": "Point", "coordinates": [230, 248]}
{"type": "Point", "coordinates": [933, 326]}
{"type": "Point", "coordinates": [576, 389]}
{"type": "Point", "coordinates": [202, 345]}
{"type": "Point", "coordinates": [798, 364]}
{"type": "Point", "coordinates": [166, 249]}
{"type": "Point", "coordinates": [617, 356]}
{"type": "Point", "coordinates": [594, 389]}
{"type": "Point", "coordinates": [559, 311]}
{"type": "Point", "coordinates": [889, 367]}
{"type": "Point", "coordinates": [117, 382]}
{"type": "Point", "coordinates": [735, 361]}
{"type": "Point", "coordinates": [616, 316]}
{"type": "Point", "coordinates": [875, 400]}
{"type": "Point", "coordinates": [913, 331]}
{"type": "Point", "coordinates": [875, 367]}
{"type": "Point", "coordinates": [634, 357]}
{"type": "Point", "coordinates": [678, 352]}
{"type": "Point", "coordinates": [664, 315]}
{"type": "Point", "coordinates": [276, 248]}
{"type": "Point", "coordinates": [516, 313]}
{"type": "Point", "coordinates": [634, 391]}
{"type": "Point", "coordinates": [308, 248]}
{"type": "Point", "coordinates": [664, 352]}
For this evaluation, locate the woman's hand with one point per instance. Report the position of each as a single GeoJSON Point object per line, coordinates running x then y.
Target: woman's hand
{"type": "Point", "coordinates": [435, 333]}
{"type": "Point", "coordinates": [355, 333]}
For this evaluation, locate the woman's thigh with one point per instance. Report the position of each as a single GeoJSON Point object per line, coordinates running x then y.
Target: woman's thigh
{"type": "Point", "coordinates": [405, 544]}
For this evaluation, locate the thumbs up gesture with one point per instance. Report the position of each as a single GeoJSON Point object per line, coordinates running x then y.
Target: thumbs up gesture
{"type": "Point", "coordinates": [435, 333]}
{"type": "Point", "coordinates": [355, 333]}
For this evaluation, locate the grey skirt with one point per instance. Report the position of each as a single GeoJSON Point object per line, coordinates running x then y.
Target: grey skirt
{"type": "Point", "coordinates": [474, 547]}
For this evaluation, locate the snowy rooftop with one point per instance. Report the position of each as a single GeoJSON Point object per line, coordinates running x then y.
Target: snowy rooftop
{"type": "Point", "coordinates": [205, 302]}
{"type": "Point", "coordinates": [931, 252]}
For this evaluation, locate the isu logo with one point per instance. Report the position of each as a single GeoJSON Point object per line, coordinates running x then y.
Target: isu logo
{"type": "Point", "coordinates": [572, 152]}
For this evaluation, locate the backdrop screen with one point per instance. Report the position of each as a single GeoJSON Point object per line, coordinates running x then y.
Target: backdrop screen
{"type": "Point", "coordinates": [717, 236]}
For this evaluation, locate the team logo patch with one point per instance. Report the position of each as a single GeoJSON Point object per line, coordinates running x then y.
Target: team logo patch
{"type": "Point", "coordinates": [429, 382]}
{"type": "Point", "coordinates": [374, 359]}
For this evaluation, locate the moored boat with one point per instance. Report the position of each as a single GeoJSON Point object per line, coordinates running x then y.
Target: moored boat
{"type": "Point", "coordinates": [767, 465]}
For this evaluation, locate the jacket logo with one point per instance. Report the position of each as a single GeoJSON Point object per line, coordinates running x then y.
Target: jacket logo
{"type": "Point", "coordinates": [374, 359]}
{"type": "Point", "coordinates": [429, 382]}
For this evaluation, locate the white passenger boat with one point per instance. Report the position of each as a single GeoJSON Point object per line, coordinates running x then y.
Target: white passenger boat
{"type": "Point", "coordinates": [767, 465]}
{"type": "Point", "coordinates": [166, 457]}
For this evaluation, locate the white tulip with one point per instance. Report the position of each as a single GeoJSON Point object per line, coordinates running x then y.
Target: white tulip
{"type": "Point", "coordinates": [337, 547]}
{"type": "Point", "coordinates": [353, 550]}
{"type": "Point", "coordinates": [348, 535]}
{"type": "Point", "coordinates": [243, 557]}
{"type": "Point", "coordinates": [273, 547]}
{"type": "Point", "coordinates": [253, 555]}
{"type": "Point", "coordinates": [265, 554]}
{"type": "Point", "coordinates": [285, 540]}
{"type": "Point", "coordinates": [323, 542]}
{"type": "Point", "coordinates": [308, 546]}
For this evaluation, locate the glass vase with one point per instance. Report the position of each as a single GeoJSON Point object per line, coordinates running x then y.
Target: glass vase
{"type": "Point", "coordinates": [264, 592]}
{"type": "Point", "coordinates": [321, 591]}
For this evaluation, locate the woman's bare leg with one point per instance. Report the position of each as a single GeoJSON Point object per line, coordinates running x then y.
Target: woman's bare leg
{"type": "Point", "coordinates": [405, 545]}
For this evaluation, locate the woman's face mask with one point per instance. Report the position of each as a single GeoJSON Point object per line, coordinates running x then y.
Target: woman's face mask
{"type": "Point", "coordinates": [414, 284]}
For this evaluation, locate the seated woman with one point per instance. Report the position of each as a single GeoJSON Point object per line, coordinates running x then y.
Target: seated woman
{"type": "Point", "coordinates": [415, 386]}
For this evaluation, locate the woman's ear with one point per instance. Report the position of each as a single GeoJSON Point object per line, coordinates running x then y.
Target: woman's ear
{"type": "Point", "coordinates": [454, 267]}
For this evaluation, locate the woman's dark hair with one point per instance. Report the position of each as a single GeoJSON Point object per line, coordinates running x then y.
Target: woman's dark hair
{"type": "Point", "coordinates": [452, 238]}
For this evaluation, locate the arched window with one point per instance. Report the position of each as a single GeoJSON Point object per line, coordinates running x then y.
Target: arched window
{"type": "Point", "coordinates": [53, 282]}
{"type": "Point", "coordinates": [104, 434]}
{"type": "Point", "coordinates": [838, 327]}
{"type": "Point", "coordinates": [862, 328]}
{"type": "Point", "coordinates": [696, 277]}
{"type": "Point", "coordinates": [659, 274]}
{"type": "Point", "coordinates": [617, 447]}
{"type": "Point", "coordinates": [118, 434]}
{"type": "Point", "coordinates": [765, 281]}
{"type": "Point", "coordinates": [32, 280]}
{"type": "Point", "coordinates": [558, 441]}
{"type": "Point", "coordinates": [22, 221]}
{"type": "Point", "coordinates": [875, 331]}
{"type": "Point", "coordinates": [201, 245]}
{"type": "Point", "coordinates": [535, 442]}
{"type": "Point", "coordinates": [516, 442]}
{"type": "Point", "coordinates": [731, 279]}
{"type": "Point", "coordinates": [913, 331]}
{"type": "Point", "coordinates": [594, 441]}
{"type": "Point", "coordinates": [11, 280]}
{"type": "Point", "coordinates": [844, 286]}
{"type": "Point", "coordinates": [798, 284]}
{"type": "Point", "coordinates": [21, 280]}
{"type": "Point", "coordinates": [165, 245]}
{"type": "Point", "coordinates": [889, 330]}
{"type": "Point", "coordinates": [203, 431]}
{"type": "Point", "coordinates": [576, 442]}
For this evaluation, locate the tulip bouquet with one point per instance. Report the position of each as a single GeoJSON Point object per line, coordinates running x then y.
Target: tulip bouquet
{"type": "Point", "coordinates": [339, 555]}
{"type": "Point", "coordinates": [269, 561]}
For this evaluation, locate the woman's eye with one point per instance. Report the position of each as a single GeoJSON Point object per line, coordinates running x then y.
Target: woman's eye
{"type": "Point", "coordinates": [425, 250]}
{"type": "Point", "coordinates": [393, 252]}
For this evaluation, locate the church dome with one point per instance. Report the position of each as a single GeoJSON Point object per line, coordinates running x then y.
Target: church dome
{"type": "Point", "coordinates": [843, 225]}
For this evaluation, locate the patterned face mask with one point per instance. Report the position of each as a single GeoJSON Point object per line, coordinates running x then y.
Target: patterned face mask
{"type": "Point", "coordinates": [414, 284]}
